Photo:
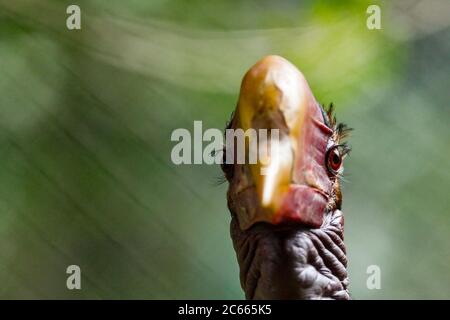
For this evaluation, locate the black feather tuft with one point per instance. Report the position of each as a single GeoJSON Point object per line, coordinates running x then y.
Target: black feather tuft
{"type": "Point", "coordinates": [340, 130]}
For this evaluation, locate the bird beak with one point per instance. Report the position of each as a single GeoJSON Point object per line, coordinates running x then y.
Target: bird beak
{"type": "Point", "coordinates": [289, 176]}
{"type": "Point", "coordinates": [272, 173]}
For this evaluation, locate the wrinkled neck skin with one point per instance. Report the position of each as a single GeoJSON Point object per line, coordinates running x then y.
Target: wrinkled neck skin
{"type": "Point", "coordinates": [291, 261]}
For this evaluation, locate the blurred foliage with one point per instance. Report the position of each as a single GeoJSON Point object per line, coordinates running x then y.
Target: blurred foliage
{"type": "Point", "coordinates": [86, 118]}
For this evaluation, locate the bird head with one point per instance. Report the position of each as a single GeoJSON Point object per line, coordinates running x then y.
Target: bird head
{"type": "Point", "coordinates": [295, 179]}
{"type": "Point", "coordinates": [286, 226]}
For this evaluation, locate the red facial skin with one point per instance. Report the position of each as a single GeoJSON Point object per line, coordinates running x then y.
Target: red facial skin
{"type": "Point", "coordinates": [309, 195]}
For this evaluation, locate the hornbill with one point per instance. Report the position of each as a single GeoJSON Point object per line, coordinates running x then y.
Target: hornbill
{"type": "Point", "coordinates": [287, 224]}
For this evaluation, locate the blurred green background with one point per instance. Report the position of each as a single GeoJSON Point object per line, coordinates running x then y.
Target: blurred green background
{"type": "Point", "coordinates": [86, 118]}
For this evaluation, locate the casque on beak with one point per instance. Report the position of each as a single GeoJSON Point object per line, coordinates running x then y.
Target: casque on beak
{"type": "Point", "coordinates": [291, 182]}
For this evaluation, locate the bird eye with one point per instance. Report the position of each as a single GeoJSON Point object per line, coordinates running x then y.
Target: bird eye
{"type": "Point", "coordinates": [334, 160]}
